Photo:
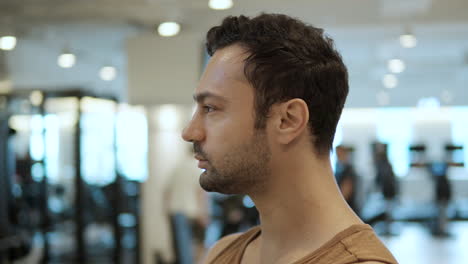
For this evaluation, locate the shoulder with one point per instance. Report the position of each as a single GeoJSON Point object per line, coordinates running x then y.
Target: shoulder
{"type": "Point", "coordinates": [371, 262]}
{"type": "Point", "coordinates": [220, 246]}
{"type": "Point", "coordinates": [374, 262]}
{"type": "Point", "coordinates": [367, 247]}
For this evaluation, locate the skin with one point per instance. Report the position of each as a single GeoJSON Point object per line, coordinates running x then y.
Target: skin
{"type": "Point", "coordinates": [235, 159]}
{"type": "Point", "coordinates": [294, 189]}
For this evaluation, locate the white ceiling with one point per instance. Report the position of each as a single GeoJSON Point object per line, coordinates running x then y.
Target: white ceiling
{"type": "Point", "coordinates": [365, 31]}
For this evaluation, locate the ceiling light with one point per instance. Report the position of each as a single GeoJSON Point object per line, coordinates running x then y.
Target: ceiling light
{"type": "Point", "coordinates": [7, 42]}
{"type": "Point", "coordinates": [220, 4]}
{"type": "Point", "coordinates": [408, 41]}
{"type": "Point", "coordinates": [168, 29]}
{"type": "Point", "coordinates": [390, 81]}
{"type": "Point", "coordinates": [108, 73]}
{"type": "Point", "coordinates": [36, 98]}
{"type": "Point", "coordinates": [396, 66]}
{"type": "Point", "coordinates": [66, 60]}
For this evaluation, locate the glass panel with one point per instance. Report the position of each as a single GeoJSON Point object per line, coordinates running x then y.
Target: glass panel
{"type": "Point", "coordinates": [60, 122]}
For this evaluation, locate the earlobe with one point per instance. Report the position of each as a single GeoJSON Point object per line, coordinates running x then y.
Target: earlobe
{"type": "Point", "coordinates": [293, 116]}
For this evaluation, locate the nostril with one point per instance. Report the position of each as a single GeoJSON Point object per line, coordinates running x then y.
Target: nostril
{"type": "Point", "coordinates": [184, 132]}
{"type": "Point", "coordinates": [185, 135]}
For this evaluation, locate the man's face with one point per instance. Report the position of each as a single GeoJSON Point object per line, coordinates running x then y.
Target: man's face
{"type": "Point", "coordinates": [235, 156]}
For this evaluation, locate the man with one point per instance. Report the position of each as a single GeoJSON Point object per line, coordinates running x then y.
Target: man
{"type": "Point", "coordinates": [267, 108]}
{"type": "Point", "coordinates": [386, 182]}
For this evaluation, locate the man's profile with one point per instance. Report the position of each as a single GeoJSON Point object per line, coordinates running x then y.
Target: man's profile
{"type": "Point", "coordinates": [267, 108]}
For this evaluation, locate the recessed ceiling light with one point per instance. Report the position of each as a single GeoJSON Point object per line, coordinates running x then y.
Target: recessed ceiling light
{"type": "Point", "coordinates": [220, 4]}
{"type": "Point", "coordinates": [36, 98]}
{"type": "Point", "coordinates": [7, 42]}
{"type": "Point", "coordinates": [108, 73]}
{"type": "Point", "coordinates": [66, 60]}
{"type": "Point", "coordinates": [390, 81]}
{"type": "Point", "coordinates": [168, 29]}
{"type": "Point", "coordinates": [408, 41]}
{"type": "Point", "coordinates": [396, 66]}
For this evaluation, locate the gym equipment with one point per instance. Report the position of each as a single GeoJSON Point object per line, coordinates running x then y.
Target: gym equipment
{"type": "Point", "coordinates": [70, 182]}
{"type": "Point", "coordinates": [438, 171]}
{"type": "Point", "coordinates": [386, 182]}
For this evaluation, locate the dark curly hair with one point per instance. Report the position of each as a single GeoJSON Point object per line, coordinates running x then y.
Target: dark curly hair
{"type": "Point", "coordinates": [288, 59]}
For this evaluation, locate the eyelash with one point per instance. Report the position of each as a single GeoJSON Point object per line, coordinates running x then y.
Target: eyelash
{"type": "Point", "coordinates": [208, 109]}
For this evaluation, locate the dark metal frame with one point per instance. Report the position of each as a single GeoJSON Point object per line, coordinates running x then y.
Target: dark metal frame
{"type": "Point", "coordinates": [79, 195]}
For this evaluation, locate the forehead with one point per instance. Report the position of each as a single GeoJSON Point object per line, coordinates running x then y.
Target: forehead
{"type": "Point", "coordinates": [224, 74]}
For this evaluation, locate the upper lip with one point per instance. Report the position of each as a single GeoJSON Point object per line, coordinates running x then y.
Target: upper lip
{"type": "Point", "coordinates": [200, 158]}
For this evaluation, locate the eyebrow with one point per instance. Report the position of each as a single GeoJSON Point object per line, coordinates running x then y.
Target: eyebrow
{"type": "Point", "coordinates": [203, 96]}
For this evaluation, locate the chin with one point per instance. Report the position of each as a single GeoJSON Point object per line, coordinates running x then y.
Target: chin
{"type": "Point", "coordinates": [211, 183]}
{"type": "Point", "coordinates": [206, 183]}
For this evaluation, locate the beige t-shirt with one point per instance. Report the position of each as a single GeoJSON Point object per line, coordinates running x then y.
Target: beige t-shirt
{"type": "Point", "coordinates": [357, 243]}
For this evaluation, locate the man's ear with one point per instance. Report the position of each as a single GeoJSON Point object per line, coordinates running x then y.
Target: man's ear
{"type": "Point", "coordinates": [291, 120]}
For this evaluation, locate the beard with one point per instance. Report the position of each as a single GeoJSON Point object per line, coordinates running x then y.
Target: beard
{"type": "Point", "coordinates": [243, 170]}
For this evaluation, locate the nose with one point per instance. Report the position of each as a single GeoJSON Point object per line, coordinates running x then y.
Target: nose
{"type": "Point", "coordinates": [193, 132]}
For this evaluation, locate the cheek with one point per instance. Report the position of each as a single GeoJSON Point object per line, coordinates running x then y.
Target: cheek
{"type": "Point", "coordinates": [222, 135]}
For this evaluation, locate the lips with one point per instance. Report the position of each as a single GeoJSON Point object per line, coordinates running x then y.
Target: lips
{"type": "Point", "coordinates": [199, 158]}
{"type": "Point", "coordinates": [202, 163]}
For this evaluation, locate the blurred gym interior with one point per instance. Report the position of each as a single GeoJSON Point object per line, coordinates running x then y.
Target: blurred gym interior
{"type": "Point", "coordinates": [94, 95]}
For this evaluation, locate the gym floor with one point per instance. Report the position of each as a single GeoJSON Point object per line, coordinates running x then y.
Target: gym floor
{"type": "Point", "coordinates": [414, 244]}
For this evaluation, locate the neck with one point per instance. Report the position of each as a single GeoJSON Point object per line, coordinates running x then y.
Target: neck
{"type": "Point", "coordinates": [300, 209]}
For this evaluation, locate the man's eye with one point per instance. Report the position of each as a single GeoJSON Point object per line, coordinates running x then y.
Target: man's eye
{"type": "Point", "coordinates": [208, 109]}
